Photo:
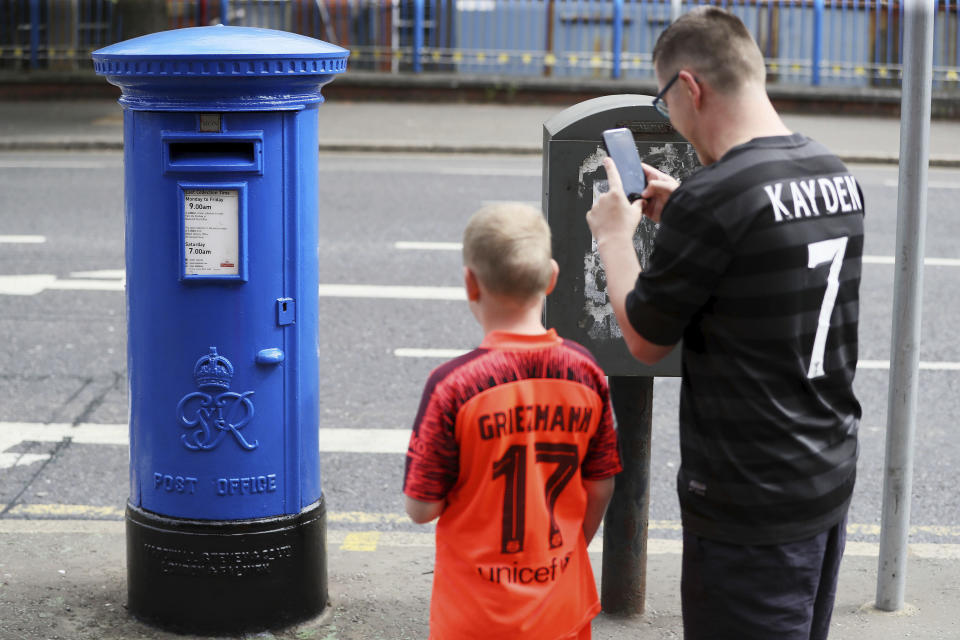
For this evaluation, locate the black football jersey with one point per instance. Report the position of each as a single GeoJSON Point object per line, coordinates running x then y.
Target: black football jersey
{"type": "Point", "coordinates": [756, 266]}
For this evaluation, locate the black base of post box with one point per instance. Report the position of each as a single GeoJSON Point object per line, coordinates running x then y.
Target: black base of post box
{"type": "Point", "coordinates": [226, 577]}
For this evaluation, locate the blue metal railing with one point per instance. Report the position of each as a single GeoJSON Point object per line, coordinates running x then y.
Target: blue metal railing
{"type": "Point", "coordinates": [818, 42]}
{"type": "Point", "coordinates": [55, 34]}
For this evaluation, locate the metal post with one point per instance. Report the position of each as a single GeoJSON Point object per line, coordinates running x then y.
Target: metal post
{"type": "Point", "coordinates": [34, 34]}
{"type": "Point", "coordinates": [617, 37]}
{"type": "Point", "coordinates": [624, 579]}
{"type": "Point", "coordinates": [225, 12]}
{"type": "Point", "coordinates": [418, 11]}
{"type": "Point", "coordinates": [676, 9]}
{"type": "Point", "coordinates": [908, 285]}
{"type": "Point", "coordinates": [548, 44]}
{"type": "Point", "coordinates": [141, 17]}
{"type": "Point", "coordinates": [818, 9]}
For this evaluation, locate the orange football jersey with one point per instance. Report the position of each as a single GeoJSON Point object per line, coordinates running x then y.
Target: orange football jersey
{"type": "Point", "coordinates": [506, 435]}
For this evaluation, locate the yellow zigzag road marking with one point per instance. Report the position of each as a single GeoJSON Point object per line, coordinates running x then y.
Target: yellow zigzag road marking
{"type": "Point", "coordinates": [360, 541]}
{"type": "Point", "coordinates": [66, 511]}
{"type": "Point", "coordinates": [362, 517]}
{"type": "Point", "coordinates": [371, 541]}
{"type": "Point", "coordinates": [374, 518]}
{"type": "Point", "coordinates": [375, 540]}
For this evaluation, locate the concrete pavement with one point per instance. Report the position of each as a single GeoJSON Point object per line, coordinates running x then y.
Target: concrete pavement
{"type": "Point", "coordinates": [65, 579]}
{"type": "Point", "coordinates": [441, 127]}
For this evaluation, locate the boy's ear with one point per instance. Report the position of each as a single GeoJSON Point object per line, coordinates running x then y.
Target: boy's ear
{"type": "Point", "coordinates": [471, 284]}
{"type": "Point", "coordinates": [553, 277]}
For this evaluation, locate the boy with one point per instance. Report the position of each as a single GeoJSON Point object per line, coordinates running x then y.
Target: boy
{"type": "Point", "coordinates": [514, 449]}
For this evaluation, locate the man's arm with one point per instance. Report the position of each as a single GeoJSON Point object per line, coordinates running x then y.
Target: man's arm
{"type": "Point", "coordinates": [599, 493]}
{"type": "Point", "coordinates": [423, 512]}
{"type": "Point", "coordinates": [613, 220]}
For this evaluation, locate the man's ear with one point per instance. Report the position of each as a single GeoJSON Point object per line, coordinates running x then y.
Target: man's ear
{"type": "Point", "coordinates": [693, 88]}
{"type": "Point", "coordinates": [471, 284]}
{"type": "Point", "coordinates": [553, 277]}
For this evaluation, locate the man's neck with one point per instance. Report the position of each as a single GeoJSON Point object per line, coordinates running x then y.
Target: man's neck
{"type": "Point", "coordinates": [739, 120]}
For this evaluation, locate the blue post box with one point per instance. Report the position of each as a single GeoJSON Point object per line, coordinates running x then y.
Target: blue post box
{"type": "Point", "coordinates": [226, 522]}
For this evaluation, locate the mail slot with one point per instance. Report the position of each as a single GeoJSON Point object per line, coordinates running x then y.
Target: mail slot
{"type": "Point", "coordinates": [207, 154]}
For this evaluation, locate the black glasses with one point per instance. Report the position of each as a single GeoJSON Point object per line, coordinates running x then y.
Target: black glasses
{"type": "Point", "coordinates": [658, 102]}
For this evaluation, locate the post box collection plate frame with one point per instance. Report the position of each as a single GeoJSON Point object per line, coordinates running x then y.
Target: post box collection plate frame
{"type": "Point", "coordinates": [239, 224]}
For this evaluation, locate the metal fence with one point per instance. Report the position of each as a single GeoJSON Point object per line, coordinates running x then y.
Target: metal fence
{"type": "Point", "coordinates": [818, 42]}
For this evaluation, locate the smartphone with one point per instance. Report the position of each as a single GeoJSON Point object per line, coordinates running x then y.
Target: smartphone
{"type": "Point", "coordinates": [623, 149]}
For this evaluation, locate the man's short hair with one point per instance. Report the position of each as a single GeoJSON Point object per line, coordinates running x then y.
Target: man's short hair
{"type": "Point", "coordinates": [715, 44]}
{"type": "Point", "coordinates": [507, 246]}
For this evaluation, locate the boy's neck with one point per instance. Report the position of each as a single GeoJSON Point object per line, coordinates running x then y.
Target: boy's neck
{"type": "Point", "coordinates": [509, 317]}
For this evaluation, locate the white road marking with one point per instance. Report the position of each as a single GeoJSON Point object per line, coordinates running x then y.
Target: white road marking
{"type": "Point", "coordinates": [447, 354]}
{"type": "Point", "coordinates": [88, 285]}
{"type": "Point", "coordinates": [930, 262]}
{"type": "Point", "coordinates": [25, 285]}
{"type": "Point", "coordinates": [392, 291]}
{"type": "Point", "coordinates": [8, 239]}
{"type": "Point", "coordinates": [429, 246]}
{"type": "Point", "coordinates": [8, 460]}
{"type": "Point", "coordinates": [108, 274]}
{"type": "Point", "coordinates": [531, 203]}
{"type": "Point", "coordinates": [879, 260]}
{"type": "Point", "coordinates": [331, 440]}
{"type": "Point", "coordinates": [364, 440]}
{"type": "Point", "coordinates": [32, 284]}
{"type": "Point", "coordinates": [52, 163]}
{"type": "Point", "coordinates": [930, 185]}
{"type": "Point", "coordinates": [489, 171]}
{"type": "Point", "coordinates": [13, 433]}
{"type": "Point", "coordinates": [113, 279]}
{"type": "Point", "coordinates": [928, 366]}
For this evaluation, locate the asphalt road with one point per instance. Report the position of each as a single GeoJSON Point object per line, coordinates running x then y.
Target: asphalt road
{"type": "Point", "coordinates": [62, 357]}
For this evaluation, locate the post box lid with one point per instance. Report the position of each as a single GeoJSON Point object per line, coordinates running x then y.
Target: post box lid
{"type": "Point", "coordinates": [220, 42]}
{"type": "Point", "coordinates": [200, 67]}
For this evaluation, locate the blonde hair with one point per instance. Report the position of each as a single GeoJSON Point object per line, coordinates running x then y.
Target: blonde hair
{"type": "Point", "coordinates": [715, 44]}
{"type": "Point", "coordinates": [507, 246]}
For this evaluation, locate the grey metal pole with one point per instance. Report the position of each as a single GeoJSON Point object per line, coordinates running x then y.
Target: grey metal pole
{"type": "Point", "coordinates": [908, 286]}
{"type": "Point", "coordinates": [623, 583]}
{"type": "Point", "coordinates": [676, 9]}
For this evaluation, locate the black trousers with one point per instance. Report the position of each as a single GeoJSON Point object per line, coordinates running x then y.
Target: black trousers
{"type": "Point", "coordinates": [775, 592]}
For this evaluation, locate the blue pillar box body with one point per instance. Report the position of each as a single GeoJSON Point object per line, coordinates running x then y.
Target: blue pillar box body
{"type": "Point", "coordinates": [221, 139]}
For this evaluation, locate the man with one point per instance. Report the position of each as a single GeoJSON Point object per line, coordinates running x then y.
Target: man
{"type": "Point", "coordinates": [756, 267]}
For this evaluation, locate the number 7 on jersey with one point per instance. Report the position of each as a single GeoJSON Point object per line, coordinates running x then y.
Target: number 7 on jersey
{"type": "Point", "coordinates": [820, 252]}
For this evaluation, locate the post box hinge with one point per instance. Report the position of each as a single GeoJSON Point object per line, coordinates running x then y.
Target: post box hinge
{"type": "Point", "coordinates": [286, 311]}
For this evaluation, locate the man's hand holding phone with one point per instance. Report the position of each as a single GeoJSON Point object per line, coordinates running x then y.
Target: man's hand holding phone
{"type": "Point", "coordinates": [659, 188]}
{"type": "Point", "coordinates": [612, 215]}
{"type": "Point", "coordinates": [623, 149]}
{"type": "Point", "coordinates": [634, 179]}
